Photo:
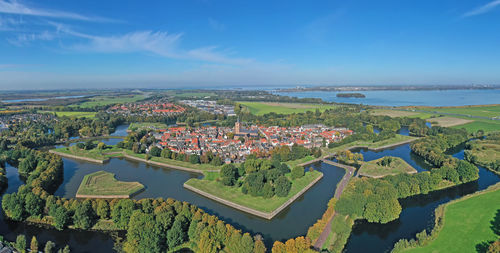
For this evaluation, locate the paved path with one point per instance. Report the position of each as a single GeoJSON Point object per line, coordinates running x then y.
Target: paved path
{"type": "Point", "coordinates": [340, 188]}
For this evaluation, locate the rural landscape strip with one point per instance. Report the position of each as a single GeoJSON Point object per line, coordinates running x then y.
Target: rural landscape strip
{"type": "Point", "coordinates": [265, 215]}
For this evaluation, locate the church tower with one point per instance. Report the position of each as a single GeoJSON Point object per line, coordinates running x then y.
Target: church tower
{"type": "Point", "coordinates": [237, 126]}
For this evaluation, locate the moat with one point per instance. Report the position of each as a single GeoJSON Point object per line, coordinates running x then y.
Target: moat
{"type": "Point", "coordinates": [294, 221]}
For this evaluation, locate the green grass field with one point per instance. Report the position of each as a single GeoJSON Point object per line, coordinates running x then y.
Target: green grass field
{"type": "Point", "coordinates": [481, 124]}
{"type": "Point", "coordinates": [490, 111]}
{"type": "Point", "coordinates": [72, 114]}
{"type": "Point", "coordinates": [397, 166]}
{"type": "Point", "coordinates": [147, 125]}
{"type": "Point", "coordinates": [109, 100]}
{"type": "Point", "coordinates": [433, 113]}
{"type": "Point", "coordinates": [372, 145]}
{"type": "Point", "coordinates": [166, 161]}
{"type": "Point", "coordinates": [95, 153]}
{"type": "Point", "coordinates": [182, 94]}
{"type": "Point", "coordinates": [261, 108]}
{"type": "Point", "coordinates": [467, 223]}
{"type": "Point", "coordinates": [103, 183]}
{"type": "Point", "coordinates": [235, 195]}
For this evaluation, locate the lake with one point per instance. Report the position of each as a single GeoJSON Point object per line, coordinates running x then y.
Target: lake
{"type": "Point", "coordinates": [407, 98]}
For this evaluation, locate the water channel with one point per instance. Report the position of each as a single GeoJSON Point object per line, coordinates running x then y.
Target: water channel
{"type": "Point", "coordinates": [294, 221]}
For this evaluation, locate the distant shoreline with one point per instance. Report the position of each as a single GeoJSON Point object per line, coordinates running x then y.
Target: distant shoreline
{"type": "Point", "coordinates": [389, 87]}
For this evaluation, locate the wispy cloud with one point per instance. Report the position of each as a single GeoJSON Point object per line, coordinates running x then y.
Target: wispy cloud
{"type": "Point", "coordinates": [482, 9]}
{"type": "Point", "coordinates": [216, 25]}
{"type": "Point", "coordinates": [9, 24]}
{"type": "Point", "coordinates": [158, 43]}
{"type": "Point", "coordinates": [15, 7]}
{"type": "Point", "coordinates": [26, 38]}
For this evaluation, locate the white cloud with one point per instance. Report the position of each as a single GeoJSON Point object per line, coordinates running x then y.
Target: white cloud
{"type": "Point", "coordinates": [25, 38]}
{"type": "Point", "coordinates": [14, 7]}
{"type": "Point", "coordinates": [482, 9]}
{"type": "Point", "coordinates": [158, 43]}
{"type": "Point", "coordinates": [216, 25]}
{"type": "Point", "coordinates": [9, 24]}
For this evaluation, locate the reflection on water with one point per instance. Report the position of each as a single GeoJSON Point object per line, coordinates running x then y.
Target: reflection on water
{"type": "Point", "coordinates": [418, 211]}
{"type": "Point", "coordinates": [163, 182]}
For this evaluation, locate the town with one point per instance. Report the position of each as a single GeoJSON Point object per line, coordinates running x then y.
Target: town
{"type": "Point", "coordinates": [150, 108]}
{"type": "Point", "coordinates": [234, 144]}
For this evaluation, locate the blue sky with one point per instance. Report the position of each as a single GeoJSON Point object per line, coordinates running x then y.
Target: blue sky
{"type": "Point", "coordinates": [203, 43]}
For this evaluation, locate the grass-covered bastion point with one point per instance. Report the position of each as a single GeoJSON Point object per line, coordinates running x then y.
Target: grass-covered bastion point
{"type": "Point", "coordinates": [233, 196]}
{"type": "Point", "coordinates": [385, 166]}
{"type": "Point", "coordinates": [102, 184]}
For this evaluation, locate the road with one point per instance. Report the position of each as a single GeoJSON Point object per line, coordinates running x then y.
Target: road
{"type": "Point", "coordinates": [340, 188]}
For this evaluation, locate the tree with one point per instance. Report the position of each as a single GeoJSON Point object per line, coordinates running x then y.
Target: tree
{"type": "Point", "coordinates": [13, 206]}
{"type": "Point", "coordinates": [101, 145]}
{"type": "Point", "coordinates": [21, 243]}
{"type": "Point", "coordinates": [33, 204]}
{"type": "Point", "coordinates": [84, 215]}
{"type": "Point", "coordinates": [66, 249]}
{"type": "Point", "coordinates": [259, 247]}
{"type": "Point", "coordinates": [61, 218]}
{"type": "Point", "coordinates": [176, 235]}
{"type": "Point", "coordinates": [297, 172]}
{"type": "Point", "coordinates": [467, 171]}
{"type": "Point", "coordinates": [282, 186]}
{"type": "Point", "coordinates": [34, 244]}
{"type": "Point", "coordinates": [267, 190]}
{"type": "Point", "coordinates": [121, 212]}
{"type": "Point", "coordinates": [494, 247]}
{"type": "Point", "coordinates": [143, 234]}
{"type": "Point", "coordinates": [246, 243]}
{"type": "Point", "coordinates": [194, 159]}
{"type": "Point", "coordinates": [102, 209]}
{"type": "Point", "coordinates": [155, 151]}
{"type": "Point", "coordinates": [49, 247]}
{"type": "Point", "coordinates": [166, 153]}
{"type": "Point", "coordinates": [228, 174]}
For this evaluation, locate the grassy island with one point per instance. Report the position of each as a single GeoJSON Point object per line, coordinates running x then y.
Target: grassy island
{"type": "Point", "coordinates": [103, 184]}
{"type": "Point", "coordinates": [385, 166]}
{"type": "Point", "coordinates": [465, 224]}
{"type": "Point", "coordinates": [257, 205]}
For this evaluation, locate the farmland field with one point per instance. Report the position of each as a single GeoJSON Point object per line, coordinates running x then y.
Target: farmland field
{"type": "Point", "coordinates": [261, 108]}
{"type": "Point", "coordinates": [109, 100]}
{"type": "Point", "coordinates": [448, 121]}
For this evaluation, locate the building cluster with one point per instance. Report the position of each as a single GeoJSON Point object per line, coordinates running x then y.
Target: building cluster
{"type": "Point", "coordinates": [211, 106]}
{"type": "Point", "coordinates": [234, 144]}
{"type": "Point", "coordinates": [149, 108]}
{"type": "Point", "coordinates": [5, 248]}
{"type": "Point", "coordinates": [8, 120]}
